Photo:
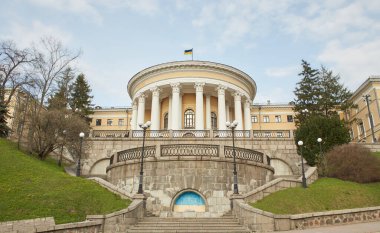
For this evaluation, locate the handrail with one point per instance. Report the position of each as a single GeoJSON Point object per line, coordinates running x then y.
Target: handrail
{"type": "Point", "coordinates": [135, 153]}
{"type": "Point", "coordinates": [242, 153]}
{"type": "Point", "coordinates": [190, 150]}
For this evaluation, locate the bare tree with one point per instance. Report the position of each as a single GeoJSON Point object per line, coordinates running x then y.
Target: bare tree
{"type": "Point", "coordinates": [51, 60]}
{"type": "Point", "coordinates": [13, 69]}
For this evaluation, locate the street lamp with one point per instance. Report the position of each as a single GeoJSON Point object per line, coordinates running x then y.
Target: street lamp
{"type": "Point", "coordinates": [63, 142]}
{"type": "Point", "coordinates": [232, 126]}
{"type": "Point", "coordinates": [81, 136]}
{"type": "Point", "coordinates": [366, 99]}
{"type": "Point", "coordinates": [319, 140]}
{"type": "Point", "coordinates": [300, 143]}
{"type": "Point", "coordinates": [305, 111]}
{"type": "Point", "coordinates": [144, 127]}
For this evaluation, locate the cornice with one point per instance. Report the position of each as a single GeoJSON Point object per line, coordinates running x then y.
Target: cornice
{"type": "Point", "coordinates": [192, 65]}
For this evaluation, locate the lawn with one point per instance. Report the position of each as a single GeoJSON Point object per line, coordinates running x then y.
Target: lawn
{"type": "Point", "coordinates": [377, 154]}
{"type": "Point", "coordinates": [323, 195]}
{"type": "Point", "coordinates": [30, 188]}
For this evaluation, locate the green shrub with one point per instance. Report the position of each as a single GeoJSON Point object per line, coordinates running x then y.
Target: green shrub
{"type": "Point", "coordinates": [353, 162]}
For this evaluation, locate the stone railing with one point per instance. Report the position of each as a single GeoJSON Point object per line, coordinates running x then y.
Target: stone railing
{"type": "Point", "coordinates": [228, 133]}
{"type": "Point", "coordinates": [151, 133]}
{"type": "Point", "coordinates": [135, 153]}
{"type": "Point", "coordinates": [242, 153]}
{"type": "Point", "coordinates": [205, 150]}
{"type": "Point", "coordinates": [271, 133]}
{"type": "Point", "coordinates": [191, 133]}
{"type": "Point", "coordinates": [212, 134]}
{"type": "Point", "coordinates": [190, 150]}
{"type": "Point", "coordinates": [110, 133]}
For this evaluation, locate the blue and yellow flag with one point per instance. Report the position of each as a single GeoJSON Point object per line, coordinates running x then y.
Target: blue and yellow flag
{"type": "Point", "coordinates": [188, 52]}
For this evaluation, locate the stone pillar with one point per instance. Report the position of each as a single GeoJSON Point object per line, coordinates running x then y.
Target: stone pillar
{"type": "Point", "coordinates": [175, 104]}
{"type": "Point", "coordinates": [134, 116]}
{"type": "Point", "coordinates": [170, 113]}
{"type": "Point", "coordinates": [238, 113]}
{"type": "Point", "coordinates": [208, 112]}
{"type": "Point", "coordinates": [221, 107]}
{"type": "Point", "coordinates": [155, 111]}
{"type": "Point", "coordinates": [247, 115]}
{"type": "Point", "coordinates": [228, 111]}
{"type": "Point", "coordinates": [180, 111]}
{"type": "Point", "coordinates": [141, 110]}
{"type": "Point", "coordinates": [199, 120]}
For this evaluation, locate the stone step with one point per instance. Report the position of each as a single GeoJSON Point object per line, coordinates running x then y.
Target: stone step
{"type": "Point", "coordinates": [188, 224]}
{"type": "Point", "coordinates": [156, 219]}
{"type": "Point", "coordinates": [189, 231]}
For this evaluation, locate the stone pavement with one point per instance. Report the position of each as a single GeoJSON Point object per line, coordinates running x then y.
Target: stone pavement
{"type": "Point", "coordinates": [371, 227]}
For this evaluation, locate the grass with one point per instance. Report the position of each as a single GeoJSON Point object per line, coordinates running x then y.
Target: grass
{"type": "Point", "coordinates": [377, 154]}
{"type": "Point", "coordinates": [324, 195]}
{"type": "Point", "coordinates": [30, 188]}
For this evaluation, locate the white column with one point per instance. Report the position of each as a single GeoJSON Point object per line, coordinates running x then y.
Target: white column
{"type": "Point", "coordinates": [170, 113]}
{"type": "Point", "coordinates": [238, 114]}
{"type": "Point", "coordinates": [155, 111]}
{"type": "Point", "coordinates": [228, 111]}
{"type": "Point", "coordinates": [247, 115]}
{"type": "Point", "coordinates": [208, 112]}
{"type": "Point", "coordinates": [180, 111]}
{"type": "Point", "coordinates": [134, 116]}
{"type": "Point", "coordinates": [175, 105]}
{"type": "Point", "coordinates": [221, 107]}
{"type": "Point", "coordinates": [141, 110]}
{"type": "Point", "coordinates": [199, 120]}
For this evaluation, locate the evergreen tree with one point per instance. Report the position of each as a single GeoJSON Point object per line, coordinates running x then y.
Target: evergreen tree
{"type": "Point", "coordinates": [331, 129]}
{"type": "Point", "coordinates": [333, 94]}
{"type": "Point", "coordinates": [4, 129]}
{"type": "Point", "coordinates": [80, 101]}
{"type": "Point", "coordinates": [307, 92]}
{"type": "Point", "coordinates": [60, 100]}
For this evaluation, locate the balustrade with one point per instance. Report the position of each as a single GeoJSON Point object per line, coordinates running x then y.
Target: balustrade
{"type": "Point", "coordinates": [135, 153]}
{"type": "Point", "coordinates": [110, 133]}
{"type": "Point", "coordinates": [151, 133]}
{"type": "Point", "coordinates": [242, 153]}
{"type": "Point", "coordinates": [271, 133]}
{"type": "Point", "coordinates": [228, 133]}
{"type": "Point", "coordinates": [191, 133]}
{"type": "Point", "coordinates": [190, 150]}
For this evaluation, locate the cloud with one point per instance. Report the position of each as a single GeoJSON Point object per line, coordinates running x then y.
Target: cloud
{"type": "Point", "coordinates": [79, 7]}
{"type": "Point", "coordinates": [280, 72]}
{"type": "Point", "coordinates": [354, 63]}
{"type": "Point", "coordinates": [24, 34]}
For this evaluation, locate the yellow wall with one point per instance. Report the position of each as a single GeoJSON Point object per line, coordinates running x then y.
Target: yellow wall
{"type": "Point", "coordinates": [271, 112]}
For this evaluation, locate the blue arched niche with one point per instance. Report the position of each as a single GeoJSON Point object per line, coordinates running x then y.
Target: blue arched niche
{"type": "Point", "coordinates": [189, 201]}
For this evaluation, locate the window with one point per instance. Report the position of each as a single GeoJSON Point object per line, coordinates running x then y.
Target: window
{"type": "Point", "coordinates": [361, 128]}
{"type": "Point", "coordinates": [109, 122]}
{"type": "Point", "coordinates": [214, 124]}
{"type": "Point", "coordinates": [120, 122]}
{"type": "Point", "coordinates": [166, 120]}
{"type": "Point", "coordinates": [277, 118]}
{"type": "Point", "coordinates": [189, 119]}
{"type": "Point", "coordinates": [98, 122]}
{"type": "Point", "coordinates": [279, 134]}
{"type": "Point", "coordinates": [290, 118]}
{"type": "Point", "coordinates": [266, 119]}
{"type": "Point", "coordinates": [254, 119]}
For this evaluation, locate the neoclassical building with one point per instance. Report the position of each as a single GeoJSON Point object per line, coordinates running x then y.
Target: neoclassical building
{"type": "Point", "coordinates": [191, 95]}
{"type": "Point", "coordinates": [188, 153]}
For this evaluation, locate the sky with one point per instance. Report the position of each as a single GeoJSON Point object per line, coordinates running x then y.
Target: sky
{"type": "Point", "coordinates": [267, 39]}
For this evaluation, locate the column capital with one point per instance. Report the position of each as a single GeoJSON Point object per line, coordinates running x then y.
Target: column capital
{"type": "Point", "coordinates": [199, 86]}
{"type": "Point", "coordinates": [247, 102]}
{"type": "Point", "coordinates": [221, 89]}
{"type": "Point", "coordinates": [176, 87]}
{"type": "Point", "coordinates": [155, 91]}
{"type": "Point", "coordinates": [141, 97]}
{"type": "Point", "coordinates": [237, 96]}
{"type": "Point", "coordinates": [134, 105]}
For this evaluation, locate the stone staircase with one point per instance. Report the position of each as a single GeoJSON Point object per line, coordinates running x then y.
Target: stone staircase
{"type": "Point", "coordinates": [227, 224]}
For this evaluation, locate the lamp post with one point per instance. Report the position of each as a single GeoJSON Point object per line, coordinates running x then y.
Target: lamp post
{"type": "Point", "coordinates": [232, 126]}
{"type": "Point", "coordinates": [63, 141]}
{"type": "Point", "coordinates": [300, 143]}
{"type": "Point", "coordinates": [319, 140]}
{"type": "Point", "coordinates": [144, 127]}
{"type": "Point", "coordinates": [81, 136]}
{"type": "Point", "coordinates": [366, 99]}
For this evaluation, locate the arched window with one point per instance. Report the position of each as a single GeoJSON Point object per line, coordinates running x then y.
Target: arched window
{"type": "Point", "coordinates": [189, 119]}
{"type": "Point", "coordinates": [166, 121]}
{"type": "Point", "coordinates": [214, 124]}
